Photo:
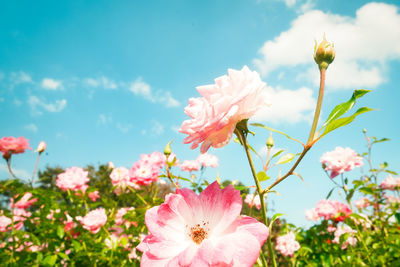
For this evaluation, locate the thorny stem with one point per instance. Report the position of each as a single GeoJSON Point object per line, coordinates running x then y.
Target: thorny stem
{"type": "Point", "coordinates": [243, 141]}
{"type": "Point", "coordinates": [170, 178]}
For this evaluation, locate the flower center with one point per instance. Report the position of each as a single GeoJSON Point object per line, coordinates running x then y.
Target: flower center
{"type": "Point", "coordinates": [199, 232]}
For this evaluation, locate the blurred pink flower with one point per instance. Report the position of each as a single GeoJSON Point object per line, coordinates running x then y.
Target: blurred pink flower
{"type": "Point", "coordinates": [332, 209]}
{"type": "Point", "coordinates": [120, 178]}
{"type": "Point", "coordinates": [391, 183]}
{"type": "Point", "coordinates": [214, 116]}
{"type": "Point", "coordinates": [24, 202]}
{"type": "Point", "coordinates": [331, 228]}
{"type": "Point", "coordinates": [94, 220]}
{"type": "Point", "coordinates": [362, 203]}
{"type": "Point", "coordinates": [4, 223]}
{"type": "Point", "coordinates": [342, 211]}
{"type": "Point", "coordinates": [119, 217]}
{"type": "Point", "coordinates": [312, 215]}
{"type": "Point", "coordinates": [41, 147]}
{"type": "Point", "coordinates": [351, 240]}
{"type": "Point", "coordinates": [74, 178]}
{"type": "Point", "coordinates": [253, 201]}
{"type": "Point", "coordinates": [392, 199]}
{"type": "Point", "coordinates": [156, 158]}
{"type": "Point", "coordinates": [144, 172]}
{"type": "Point", "coordinates": [287, 244]}
{"type": "Point", "coordinates": [204, 230]}
{"type": "Point", "coordinates": [11, 145]}
{"type": "Point", "coordinates": [190, 165]}
{"type": "Point", "coordinates": [19, 216]}
{"type": "Point", "coordinates": [208, 160]}
{"type": "Point", "coordinates": [340, 160]}
{"type": "Point", "coordinates": [94, 195]}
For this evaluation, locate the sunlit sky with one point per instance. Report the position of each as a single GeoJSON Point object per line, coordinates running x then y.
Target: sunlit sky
{"type": "Point", "coordinates": [104, 81]}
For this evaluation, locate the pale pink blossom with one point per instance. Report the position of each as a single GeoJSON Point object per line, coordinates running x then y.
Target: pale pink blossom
{"type": "Point", "coordinates": [156, 158]}
{"type": "Point", "coordinates": [342, 211]}
{"type": "Point", "coordinates": [74, 178]}
{"type": "Point", "coordinates": [24, 202]}
{"type": "Point", "coordinates": [252, 200]}
{"type": "Point", "coordinates": [287, 244]}
{"type": "Point", "coordinates": [312, 215]}
{"type": "Point", "coordinates": [190, 165]}
{"type": "Point", "coordinates": [351, 240]}
{"type": "Point", "coordinates": [364, 221]}
{"type": "Point", "coordinates": [11, 145]}
{"type": "Point", "coordinates": [391, 183]}
{"type": "Point", "coordinates": [94, 195]}
{"type": "Point", "coordinates": [41, 147]}
{"type": "Point", "coordinates": [390, 199]}
{"type": "Point", "coordinates": [233, 97]}
{"type": "Point", "coordinates": [208, 160]}
{"type": "Point", "coordinates": [362, 203]}
{"type": "Point", "coordinates": [69, 224]}
{"type": "Point", "coordinates": [119, 217]}
{"type": "Point", "coordinates": [5, 223]}
{"type": "Point", "coordinates": [325, 208]}
{"type": "Point", "coordinates": [19, 216]}
{"type": "Point", "coordinates": [120, 178]}
{"type": "Point", "coordinates": [201, 230]}
{"type": "Point", "coordinates": [331, 228]}
{"type": "Point", "coordinates": [115, 238]}
{"type": "Point", "coordinates": [110, 165]}
{"type": "Point", "coordinates": [94, 220]}
{"type": "Point", "coordinates": [144, 172]}
{"type": "Point", "coordinates": [340, 160]}
{"type": "Point", "coordinates": [132, 255]}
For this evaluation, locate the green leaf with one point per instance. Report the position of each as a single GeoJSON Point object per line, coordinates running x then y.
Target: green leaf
{"type": "Point", "coordinates": [333, 125]}
{"type": "Point", "coordinates": [60, 231]}
{"type": "Point", "coordinates": [383, 165]}
{"type": "Point", "coordinates": [391, 172]}
{"type": "Point", "coordinates": [276, 216]}
{"type": "Point", "coordinates": [262, 176]}
{"type": "Point", "coordinates": [278, 153]}
{"type": "Point", "coordinates": [330, 193]}
{"type": "Point", "coordinates": [380, 140]}
{"type": "Point", "coordinates": [286, 158]}
{"type": "Point", "coordinates": [397, 215]}
{"type": "Point", "coordinates": [350, 195]}
{"type": "Point", "coordinates": [50, 260]}
{"type": "Point", "coordinates": [367, 190]}
{"type": "Point", "coordinates": [342, 108]}
{"type": "Point", "coordinates": [270, 129]}
{"type": "Point", "coordinates": [77, 245]}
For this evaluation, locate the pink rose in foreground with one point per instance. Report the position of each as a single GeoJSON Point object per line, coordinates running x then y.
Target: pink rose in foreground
{"type": "Point", "coordinates": [12, 145]}
{"type": "Point", "coordinates": [5, 222]}
{"type": "Point", "coordinates": [201, 230]}
{"type": "Point", "coordinates": [351, 240]}
{"type": "Point", "coordinates": [340, 160]}
{"type": "Point", "coordinates": [24, 202]}
{"type": "Point", "coordinates": [190, 165]}
{"type": "Point", "coordinates": [74, 178]}
{"type": "Point", "coordinates": [94, 220]}
{"type": "Point", "coordinates": [312, 215]}
{"type": "Point", "coordinates": [287, 244]}
{"type": "Point", "coordinates": [94, 195]}
{"type": "Point", "coordinates": [214, 116]}
{"type": "Point", "coordinates": [252, 200]}
{"type": "Point", "coordinates": [391, 183]}
{"type": "Point", "coordinates": [208, 160]}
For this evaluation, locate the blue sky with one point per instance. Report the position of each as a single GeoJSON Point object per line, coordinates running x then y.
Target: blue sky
{"type": "Point", "coordinates": [106, 81]}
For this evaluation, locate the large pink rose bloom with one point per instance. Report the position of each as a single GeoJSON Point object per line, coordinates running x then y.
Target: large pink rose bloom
{"type": "Point", "coordinates": [204, 230]}
{"type": "Point", "coordinates": [231, 99]}
{"type": "Point", "coordinates": [94, 220]}
{"type": "Point", "coordinates": [12, 145]}
{"type": "Point", "coordinates": [74, 178]}
{"type": "Point", "coordinates": [340, 160]}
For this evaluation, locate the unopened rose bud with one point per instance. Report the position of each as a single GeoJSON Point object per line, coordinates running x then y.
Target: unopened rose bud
{"type": "Point", "coordinates": [167, 149]}
{"type": "Point", "coordinates": [324, 54]}
{"type": "Point", "coordinates": [364, 131]}
{"type": "Point", "coordinates": [270, 141]}
{"type": "Point", "coordinates": [110, 165]}
{"type": "Point", "coordinates": [41, 147]}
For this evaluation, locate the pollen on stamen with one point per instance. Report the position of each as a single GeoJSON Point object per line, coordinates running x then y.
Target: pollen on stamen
{"type": "Point", "coordinates": [199, 232]}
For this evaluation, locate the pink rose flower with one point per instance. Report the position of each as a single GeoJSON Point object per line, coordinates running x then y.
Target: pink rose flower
{"type": "Point", "coordinates": [24, 202]}
{"type": "Point", "coordinates": [312, 215]}
{"type": "Point", "coordinates": [362, 203]}
{"type": "Point", "coordinates": [287, 244]}
{"type": "Point", "coordinates": [342, 211]}
{"type": "Point", "coordinates": [156, 158]}
{"type": "Point", "coordinates": [19, 216]}
{"type": "Point", "coordinates": [94, 220]}
{"type": "Point", "coordinates": [201, 230]}
{"type": "Point", "coordinates": [340, 160]}
{"type": "Point", "coordinates": [144, 172]}
{"type": "Point", "coordinates": [252, 200]}
{"type": "Point", "coordinates": [119, 217]}
{"type": "Point", "coordinates": [74, 178]}
{"type": "Point", "coordinates": [94, 195]}
{"type": "Point", "coordinates": [214, 116]}
{"type": "Point", "coordinates": [351, 240]}
{"type": "Point", "coordinates": [12, 145]}
{"type": "Point", "coordinates": [190, 165]}
{"type": "Point", "coordinates": [391, 183]}
{"type": "Point", "coordinates": [5, 222]}
{"type": "Point", "coordinates": [120, 178]}
{"type": "Point", "coordinates": [208, 160]}
{"type": "Point", "coordinates": [326, 209]}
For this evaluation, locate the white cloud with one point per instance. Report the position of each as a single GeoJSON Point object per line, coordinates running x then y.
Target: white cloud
{"type": "Point", "coordinates": [104, 119]}
{"type": "Point", "coordinates": [364, 45]}
{"type": "Point", "coordinates": [124, 128]}
{"type": "Point", "coordinates": [20, 77]}
{"type": "Point", "coordinates": [35, 103]}
{"type": "Point", "coordinates": [51, 84]}
{"type": "Point", "coordinates": [289, 3]}
{"type": "Point", "coordinates": [101, 82]}
{"type": "Point", "coordinates": [290, 106]}
{"type": "Point", "coordinates": [17, 102]}
{"type": "Point", "coordinates": [157, 128]}
{"type": "Point", "coordinates": [143, 89]}
{"type": "Point", "coordinates": [22, 174]}
{"type": "Point", "coordinates": [31, 127]}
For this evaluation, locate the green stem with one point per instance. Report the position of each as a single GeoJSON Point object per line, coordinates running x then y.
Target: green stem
{"type": "Point", "coordinates": [170, 178]}
{"type": "Point", "coordinates": [319, 105]}
{"type": "Point", "coordinates": [12, 175]}
{"type": "Point", "coordinates": [243, 140]}
{"type": "Point", "coordinates": [363, 243]}
{"type": "Point", "coordinates": [35, 169]}
{"type": "Point", "coordinates": [138, 196]}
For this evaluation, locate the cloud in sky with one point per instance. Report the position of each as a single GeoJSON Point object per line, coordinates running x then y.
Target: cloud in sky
{"type": "Point", "coordinates": [143, 89]}
{"type": "Point", "coordinates": [51, 84]}
{"type": "Point", "coordinates": [104, 119]}
{"type": "Point", "coordinates": [124, 128]}
{"type": "Point", "coordinates": [20, 77]}
{"type": "Point", "coordinates": [37, 105]}
{"type": "Point", "coordinates": [101, 82]}
{"type": "Point", "coordinates": [289, 106]}
{"type": "Point", "coordinates": [31, 127]}
{"type": "Point", "coordinates": [364, 45]}
{"type": "Point", "coordinates": [156, 129]}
